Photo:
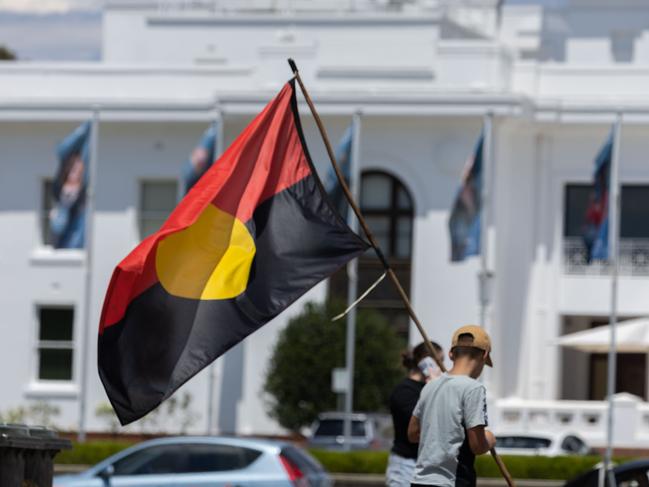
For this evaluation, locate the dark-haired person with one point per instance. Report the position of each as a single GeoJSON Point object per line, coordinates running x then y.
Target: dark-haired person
{"type": "Point", "coordinates": [421, 368]}
{"type": "Point", "coordinates": [450, 418]}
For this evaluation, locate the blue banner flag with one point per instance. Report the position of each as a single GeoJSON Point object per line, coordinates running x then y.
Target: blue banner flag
{"type": "Point", "coordinates": [596, 228]}
{"type": "Point", "coordinates": [344, 159]}
{"type": "Point", "coordinates": [464, 223]}
{"type": "Point", "coordinates": [68, 215]}
{"type": "Point", "coordinates": [201, 158]}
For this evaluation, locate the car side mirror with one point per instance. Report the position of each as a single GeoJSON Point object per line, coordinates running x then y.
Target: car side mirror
{"type": "Point", "coordinates": [106, 472]}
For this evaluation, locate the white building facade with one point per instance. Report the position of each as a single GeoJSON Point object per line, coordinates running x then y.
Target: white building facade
{"type": "Point", "coordinates": [423, 73]}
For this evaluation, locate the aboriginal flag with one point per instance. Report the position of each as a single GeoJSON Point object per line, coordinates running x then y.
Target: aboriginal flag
{"type": "Point", "coordinates": [253, 235]}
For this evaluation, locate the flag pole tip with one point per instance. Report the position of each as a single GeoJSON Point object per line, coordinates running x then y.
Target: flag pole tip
{"type": "Point", "coordinates": [292, 64]}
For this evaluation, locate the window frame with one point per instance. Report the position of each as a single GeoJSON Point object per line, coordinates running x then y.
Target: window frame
{"type": "Point", "coordinates": [46, 205]}
{"type": "Point", "coordinates": [588, 186]}
{"type": "Point", "coordinates": [141, 215]}
{"type": "Point", "coordinates": [393, 213]}
{"type": "Point", "coordinates": [386, 302]}
{"type": "Point", "coordinates": [54, 345]}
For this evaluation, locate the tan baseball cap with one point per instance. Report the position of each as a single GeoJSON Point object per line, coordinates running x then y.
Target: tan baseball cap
{"type": "Point", "coordinates": [480, 339]}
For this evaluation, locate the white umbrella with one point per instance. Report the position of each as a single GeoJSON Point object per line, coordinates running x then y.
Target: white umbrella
{"type": "Point", "coordinates": [632, 336]}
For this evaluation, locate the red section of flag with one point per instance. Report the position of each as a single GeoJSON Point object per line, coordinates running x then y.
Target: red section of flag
{"type": "Point", "coordinates": [265, 159]}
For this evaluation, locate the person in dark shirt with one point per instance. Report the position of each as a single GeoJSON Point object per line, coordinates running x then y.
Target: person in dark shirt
{"type": "Point", "coordinates": [403, 455]}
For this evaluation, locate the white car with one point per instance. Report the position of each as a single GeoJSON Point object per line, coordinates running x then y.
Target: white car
{"type": "Point", "coordinates": [545, 444]}
{"type": "Point", "coordinates": [204, 461]}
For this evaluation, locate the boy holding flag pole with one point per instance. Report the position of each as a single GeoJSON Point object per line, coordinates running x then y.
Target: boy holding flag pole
{"type": "Point", "coordinates": [363, 224]}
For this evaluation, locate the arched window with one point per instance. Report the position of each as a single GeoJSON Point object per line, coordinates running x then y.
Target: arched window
{"type": "Point", "coordinates": [388, 209]}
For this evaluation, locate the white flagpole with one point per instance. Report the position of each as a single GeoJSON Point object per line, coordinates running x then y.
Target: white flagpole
{"type": "Point", "coordinates": [484, 276]}
{"type": "Point", "coordinates": [218, 150]}
{"type": "Point", "coordinates": [88, 241]}
{"type": "Point", "coordinates": [352, 275]}
{"type": "Point", "coordinates": [613, 257]}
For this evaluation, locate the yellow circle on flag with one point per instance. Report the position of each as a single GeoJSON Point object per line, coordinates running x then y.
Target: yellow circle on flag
{"type": "Point", "coordinates": [210, 259]}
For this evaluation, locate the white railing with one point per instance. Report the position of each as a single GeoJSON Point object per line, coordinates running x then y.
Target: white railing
{"type": "Point", "coordinates": [282, 6]}
{"type": "Point", "coordinates": [587, 418]}
{"type": "Point", "coordinates": [633, 261]}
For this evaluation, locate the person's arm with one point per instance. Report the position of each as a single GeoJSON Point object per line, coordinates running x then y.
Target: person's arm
{"type": "Point", "coordinates": [414, 429]}
{"type": "Point", "coordinates": [481, 440]}
{"type": "Point", "coordinates": [475, 420]}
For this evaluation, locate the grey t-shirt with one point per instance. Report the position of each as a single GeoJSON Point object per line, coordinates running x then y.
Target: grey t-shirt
{"type": "Point", "coordinates": [446, 408]}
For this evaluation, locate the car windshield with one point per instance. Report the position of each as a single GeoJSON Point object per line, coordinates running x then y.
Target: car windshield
{"type": "Point", "coordinates": [528, 442]}
{"type": "Point", "coordinates": [334, 427]}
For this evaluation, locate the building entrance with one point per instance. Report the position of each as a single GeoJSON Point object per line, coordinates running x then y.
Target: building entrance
{"type": "Point", "coordinates": [584, 375]}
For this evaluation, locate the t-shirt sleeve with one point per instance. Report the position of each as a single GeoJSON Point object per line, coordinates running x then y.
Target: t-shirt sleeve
{"type": "Point", "coordinates": [475, 408]}
{"type": "Point", "coordinates": [417, 412]}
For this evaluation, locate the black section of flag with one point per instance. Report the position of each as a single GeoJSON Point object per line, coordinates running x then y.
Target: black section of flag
{"type": "Point", "coordinates": [164, 340]}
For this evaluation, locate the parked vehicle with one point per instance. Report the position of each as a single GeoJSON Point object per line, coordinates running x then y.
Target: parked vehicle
{"type": "Point", "coordinates": [369, 431]}
{"type": "Point", "coordinates": [546, 444]}
{"type": "Point", "coordinates": [204, 461]}
{"type": "Point", "coordinates": [631, 474]}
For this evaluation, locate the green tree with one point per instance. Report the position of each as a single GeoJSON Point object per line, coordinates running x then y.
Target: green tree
{"type": "Point", "coordinates": [311, 345]}
{"type": "Point", "coordinates": [6, 54]}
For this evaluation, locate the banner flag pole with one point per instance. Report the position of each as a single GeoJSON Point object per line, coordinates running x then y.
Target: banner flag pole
{"type": "Point", "coordinates": [372, 240]}
{"type": "Point", "coordinates": [485, 275]}
{"type": "Point", "coordinates": [352, 286]}
{"type": "Point", "coordinates": [218, 151]}
{"type": "Point", "coordinates": [88, 241]}
{"type": "Point", "coordinates": [613, 258]}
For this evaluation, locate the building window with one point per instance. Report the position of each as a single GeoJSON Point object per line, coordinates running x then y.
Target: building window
{"type": "Point", "coordinates": [622, 46]}
{"type": "Point", "coordinates": [55, 343]}
{"type": "Point", "coordinates": [157, 201]}
{"type": "Point", "coordinates": [387, 207]}
{"type": "Point", "coordinates": [634, 231]}
{"type": "Point", "coordinates": [47, 203]}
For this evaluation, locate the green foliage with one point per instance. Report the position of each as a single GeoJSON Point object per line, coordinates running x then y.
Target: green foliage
{"type": "Point", "coordinates": [105, 412]}
{"type": "Point", "coordinates": [91, 452]}
{"type": "Point", "coordinates": [375, 462]}
{"type": "Point", "coordinates": [6, 54]}
{"type": "Point", "coordinates": [364, 461]}
{"type": "Point", "coordinates": [520, 467]}
{"type": "Point", "coordinates": [175, 414]}
{"type": "Point", "coordinates": [311, 345]}
{"type": "Point", "coordinates": [40, 413]}
{"type": "Point", "coordinates": [15, 415]}
{"type": "Point", "coordinates": [537, 467]}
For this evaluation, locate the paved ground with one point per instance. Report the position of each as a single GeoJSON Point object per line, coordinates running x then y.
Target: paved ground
{"type": "Point", "coordinates": [356, 480]}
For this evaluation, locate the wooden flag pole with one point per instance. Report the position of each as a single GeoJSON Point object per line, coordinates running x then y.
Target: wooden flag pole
{"type": "Point", "coordinates": [368, 233]}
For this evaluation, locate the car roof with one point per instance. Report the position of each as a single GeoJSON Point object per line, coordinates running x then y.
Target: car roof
{"type": "Point", "coordinates": [537, 434]}
{"type": "Point", "coordinates": [590, 474]}
{"type": "Point", "coordinates": [643, 463]}
{"type": "Point", "coordinates": [338, 415]}
{"type": "Point", "coordinates": [266, 445]}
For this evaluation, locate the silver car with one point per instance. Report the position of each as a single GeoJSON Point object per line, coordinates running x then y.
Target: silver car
{"type": "Point", "coordinates": [369, 431]}
{"type": "Point", "coordinates": [201, 462]}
